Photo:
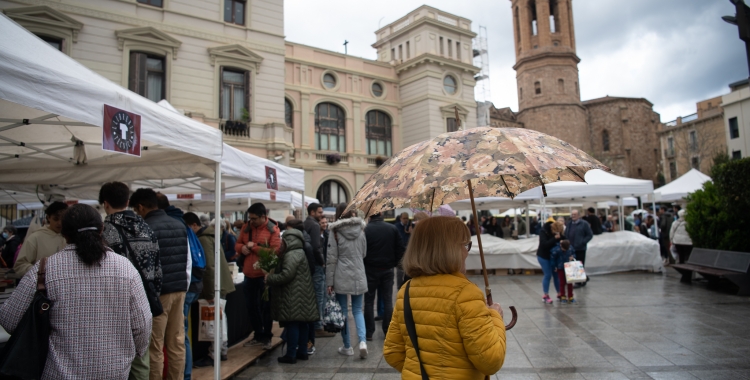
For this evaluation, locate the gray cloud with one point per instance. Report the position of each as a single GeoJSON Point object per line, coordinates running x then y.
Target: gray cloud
{"type": "Point", "coordinates": [672, 52]}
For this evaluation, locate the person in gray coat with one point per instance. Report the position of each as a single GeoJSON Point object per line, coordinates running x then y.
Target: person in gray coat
{"type": "Point", "coordinates": [345, 274]}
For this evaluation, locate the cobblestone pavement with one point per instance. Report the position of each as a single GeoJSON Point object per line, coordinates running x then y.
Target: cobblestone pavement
{"type": "Point", "coordinates": [626, 326]}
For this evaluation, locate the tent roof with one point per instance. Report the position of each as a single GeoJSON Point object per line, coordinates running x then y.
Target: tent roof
{"type": "Point", "coordinates": [681, 187]}
{"type": "Point", "coordinates": [47, 98]}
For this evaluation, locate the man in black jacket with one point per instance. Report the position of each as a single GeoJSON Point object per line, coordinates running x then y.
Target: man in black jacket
{"type": "Point", "coordinates": [665, 226]}
{"type": "Point", "coordinates": [594, 221]}
{"type": "Point", "coordinates": [312, 227]}
{"type": "Point", "coordinates": [173, 255]}
{"type": "Point", "coordinates": [385, 248]}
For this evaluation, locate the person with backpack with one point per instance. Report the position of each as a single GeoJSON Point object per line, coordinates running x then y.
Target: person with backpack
{"type": "Point", "coordinates": [196, 269]}
{"type": "Point", "coordinates": [128, 235]}
{"type": "Point", "coordinates": [259, 232]}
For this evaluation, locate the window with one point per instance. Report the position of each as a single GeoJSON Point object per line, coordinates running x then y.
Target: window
{"type": "Point", "coordinates": [56, 43]}
{"type": "Point", "coordinates": [451, 124]}
{"type": "Point", "coordinates": [378, 130]}
{"type": "Point", "coordinates": [532, 14]}
{"type": "Point", "coordinates": [288, 113]}
{"type": "Point", "coordinates": [577, 88]}
{"type": "Point", "coordinates": [605, 140]}
{"type": "Point", "coordinates": [408, 50]}
{"type": "Point", "coordinates": [458, 51]}
{"type": "Point", "coordinates": [670, 146]}
{"type": "Point", "coordinates": [331, 193]}
{"type": "Point", "coordinates": [329, 80]}
{"type": "Point", "coordinates": [520, 93]}
{"type": "Point", "coordinates": [234, 94]}
{"type": "Point", "coordinates": [693, 143]}
{"type": "Point", "coordinates": [393, 54]}
{"type": "Point", "coordinates": [147, 76]}
{"type": "Point", "coordinates": [330, 132]}
{"type": "Point", "coordinates": [736, 155]}
{"type": "Point", "coordinates": [156, 3]}
{"type": "Point", "coordinates": [450, 48]}
{"type": "Point", "coordinates": [377, 89]}
{"type": "Point", "coordinates": [672, 170]}
{"type": "Point", "coordinates": [734, 128]}
{"type": "Point", "coordinates": [640, 173]}
{"type": "Point", "coordinates": [695, 162]}
{"type": "Point", "coordinates": [442, 51]}
{"type": "Point", "coordinates": [537, 88]}
{"type": "Point", "coordinates": [449, 84]}
{"type": "Point", "coordinates": [234, 11]}
{"type": "Point", "coordinates": [553, 17]}
{"type": "Point", "coordinates": [401, 52]}
{"type": "Point", "coordinates": [560, 86]}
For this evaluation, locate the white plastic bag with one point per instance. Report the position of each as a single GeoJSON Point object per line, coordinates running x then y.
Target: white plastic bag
{"type": "Point", "coordinates": [574, 272]}
{"type": "Point", "coordinates": [673, 251]}
{"type": "Point", "coordinates": [206, 324]}
{"type": "Point", "coordinates": [333, 315]}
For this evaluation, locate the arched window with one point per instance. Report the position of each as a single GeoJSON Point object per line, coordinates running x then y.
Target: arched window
{"type": "Point", "coordinates": [560, 86]}
{"type": "Point", "coordinates": [288, 113]}
{"type": "Point", "coordinates": [537, 88]}
{"type": "Point", "coordinates": [605, 140]}
{"type": "Point", "coordinates": [451, 126]}
{"type": "Point", "coordinates": [378, 130]}
{"type": "Point", "coordinates": [330, 130]}
{"type": "Point", "coordinates": [331, 193]}
{"type": "Point", "coordinates": [532, 18]}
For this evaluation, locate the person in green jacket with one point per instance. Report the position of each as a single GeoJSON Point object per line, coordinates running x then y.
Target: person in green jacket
{"type": "Point", "coordinates": [293, 297]}
{"type": "Point", "coordinates": [207, 238]}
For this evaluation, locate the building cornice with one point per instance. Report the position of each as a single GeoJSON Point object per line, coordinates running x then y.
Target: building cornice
{"type": "Point", "coordinates": [445, 99]}
{"type": "Point", "coordinates": [613, 99]}
{"type": "Point", "coordinates": [349, 96]}
{"type": "Point", "coordinates": [335, 53]}
{"type": "Point", "coordinates": [426, 58]}
{"type": "Point", "coordinates": [519, 113]}
{"type": "Point", "coordinates": [54, 18]}
{"type": "Point", "coordinates": [404, 18]}
{"type": "Point", "coordinates": [418, 23]}
{"type": "Point", "coordinates": [342, 69]}
{"type": "Point", "coordinates": [689, 124]}
{"type": "Point", "coordinates": [546, 55]}
{"type": "Point", "coordinates": [170, 28]}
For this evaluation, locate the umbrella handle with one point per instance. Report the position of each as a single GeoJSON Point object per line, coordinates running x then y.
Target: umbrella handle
{"type": "Point", "coordinates": [513, 313]}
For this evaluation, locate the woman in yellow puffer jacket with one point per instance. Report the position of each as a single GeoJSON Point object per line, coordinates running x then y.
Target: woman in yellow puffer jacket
{"type": "Point", "coordinates": [458, 335]}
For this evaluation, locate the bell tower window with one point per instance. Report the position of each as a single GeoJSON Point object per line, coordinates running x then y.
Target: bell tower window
{"type": "Point", "coordinates": [537, 88]}
{"type": "Point", "coordinates": [533, 19]}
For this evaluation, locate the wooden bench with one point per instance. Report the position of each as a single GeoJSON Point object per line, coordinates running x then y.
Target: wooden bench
{"type": "Point", "coordinates": [718, 266]}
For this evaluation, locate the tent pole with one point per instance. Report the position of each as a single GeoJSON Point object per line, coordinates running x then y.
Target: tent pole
{"type": "Point", "coordinates": [527, 219]}
{"type": "Point", "coordinates": [302, 213]}
{"type": "Point", "coordinates": [621, 210]}
{"type": "Point", "coordinates": [217, 274]}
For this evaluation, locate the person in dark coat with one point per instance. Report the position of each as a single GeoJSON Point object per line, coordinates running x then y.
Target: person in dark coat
{"type": "Point", "coordinates": [12, 241]}
{"type": "Point", "coordinates": [665, 226]}
{"type": "Point", "coordinates": [579, 233]}
{"type": "Point", "coordinates": [594, 221]}
{"type": "Point", "coordinates": [549, 237]}
{"type": "Point", "coordinates": [384, 252]}
{"type": "Point", "coordinates": [312, 228]}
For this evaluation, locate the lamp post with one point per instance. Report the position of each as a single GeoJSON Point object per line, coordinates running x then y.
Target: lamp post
{"type": "Point", "coordinates": [742, 20]}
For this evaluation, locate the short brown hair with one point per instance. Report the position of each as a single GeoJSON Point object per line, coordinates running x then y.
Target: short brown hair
{"type": "Point", "coordinates": [435, 247]}
{"type": "Point", "coordinates": [565, 245]}
{"type": "Point", "coordinates": [557, 227]}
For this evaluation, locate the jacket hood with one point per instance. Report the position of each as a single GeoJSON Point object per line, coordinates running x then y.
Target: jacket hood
{"type": "Point", "coordinates": [349, 228]}
{"type": "Point", "coordinates": [293, 239]}
{"type": "Point", "coordinates": [207, 231]}
{"type": "Point", "coordinates": [174, 212]}
{"type": "Point", "coordinates": [126, 219]}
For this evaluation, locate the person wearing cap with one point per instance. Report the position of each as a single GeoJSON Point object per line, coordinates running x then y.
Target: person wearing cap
{"type": "Point", "coordinates": [43, 242]}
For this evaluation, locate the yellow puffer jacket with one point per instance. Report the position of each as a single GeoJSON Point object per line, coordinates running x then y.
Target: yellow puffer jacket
{"type": "Point", "coordinates": [459, 336]}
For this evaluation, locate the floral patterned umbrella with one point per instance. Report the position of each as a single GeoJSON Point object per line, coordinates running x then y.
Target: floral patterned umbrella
{"type": "Point", "coordinates": [483, 162]}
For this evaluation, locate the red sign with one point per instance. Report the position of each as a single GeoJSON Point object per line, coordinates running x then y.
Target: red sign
{"type": "Point", "coordinates": [185, 196]}
{"type": "Point", "coordinates": [121, 131]}
{"type": "Point", "coordinates": [272, 181]}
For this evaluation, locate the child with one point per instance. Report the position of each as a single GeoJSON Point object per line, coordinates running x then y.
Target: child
{"type": "Point", "coordinates": [561, 254]}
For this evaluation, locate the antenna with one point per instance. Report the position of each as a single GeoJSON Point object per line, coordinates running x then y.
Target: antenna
{"type": "Point", "coordinates": [482, 89]}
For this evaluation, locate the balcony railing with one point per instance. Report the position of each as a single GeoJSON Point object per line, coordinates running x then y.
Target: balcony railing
{"type": "Point", "coordinates": [235, 128]}
{"type": "Point", "coordinates": [670, 152]}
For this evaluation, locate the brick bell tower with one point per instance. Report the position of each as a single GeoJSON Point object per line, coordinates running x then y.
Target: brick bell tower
{"type": "Point", "coordinates": [546, 67]}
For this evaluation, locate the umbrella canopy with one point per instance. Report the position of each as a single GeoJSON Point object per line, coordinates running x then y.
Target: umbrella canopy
{"type": "Point", "coordinates": [500, 162]}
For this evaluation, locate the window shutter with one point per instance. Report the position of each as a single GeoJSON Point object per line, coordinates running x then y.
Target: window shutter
{"type": "Point", "coordinates": [132, 75]}
{"type": "Point", "coordinates": [247, 97]}
{"type": "Point", "coordinates": [221, 93]}
{"type": "Point", "coordinates": [137, 81]}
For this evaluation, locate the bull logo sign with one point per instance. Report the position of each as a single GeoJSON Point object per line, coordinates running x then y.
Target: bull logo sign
{"type": "Point", "coordinates": [121, 131]}
{"type": "Point", "coordinates": [272, 181]}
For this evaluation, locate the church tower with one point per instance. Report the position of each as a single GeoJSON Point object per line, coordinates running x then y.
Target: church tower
{"type": "Point", "coordinates": [546, 67]}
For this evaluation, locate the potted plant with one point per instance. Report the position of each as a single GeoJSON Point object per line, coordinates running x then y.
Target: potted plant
{"type": "Point", "coordinates": [333, 158]}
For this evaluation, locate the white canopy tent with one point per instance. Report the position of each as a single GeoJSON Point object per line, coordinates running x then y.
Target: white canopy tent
{"type": "Point", "coordinates": [681, 187]}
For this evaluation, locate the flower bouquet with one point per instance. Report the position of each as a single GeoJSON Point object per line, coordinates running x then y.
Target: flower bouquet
{"type": "Point", "coordinates": [267, 262]}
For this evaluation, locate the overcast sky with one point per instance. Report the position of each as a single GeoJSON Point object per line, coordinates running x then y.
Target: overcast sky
{"type": "Point", "coordinates": [672, 52]}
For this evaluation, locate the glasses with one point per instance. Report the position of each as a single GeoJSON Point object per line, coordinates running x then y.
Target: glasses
{"type": "Point", "coordinates": [467, 246]}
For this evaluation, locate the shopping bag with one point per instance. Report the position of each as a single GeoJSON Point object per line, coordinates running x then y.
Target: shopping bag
{"type": "Point", "coordinates": [574, 272]}
{"type": "Point", "coordinates": [673, 251]}
{"type": "Point", "coordinates": [333, 316]}
{"type": "Point", "coordinates": [207, 321]}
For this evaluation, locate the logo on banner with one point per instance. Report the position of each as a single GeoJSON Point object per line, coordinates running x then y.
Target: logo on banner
{"type": "Point", "coordinates": [272, 181]}
{"type": "Point", "coordinates": [121, 131]}
{"type": "Point", "coordinates": [185, 196]}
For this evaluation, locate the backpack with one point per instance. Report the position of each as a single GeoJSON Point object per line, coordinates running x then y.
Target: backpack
{"type": "Point", "coordinates": [196, 251]}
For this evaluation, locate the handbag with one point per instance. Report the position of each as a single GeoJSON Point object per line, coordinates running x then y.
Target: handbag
{"type": "Point", "coordinates": [412, 329]}
{"type": "Point", "coordinates": [25, 354]}
{"type": "Point", "coordinates": [152, 295]}
{"type": "Point", "coordinates": [574, 272]}
{"type": "Point", "coordinates": [333, 316]}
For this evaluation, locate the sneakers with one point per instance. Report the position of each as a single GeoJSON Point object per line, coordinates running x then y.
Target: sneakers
{"type": "Point", "coordinates": [362, 350]}
{"type": "Point", "coordinates": [563, 300]}
{"type": "Point", "coordinates": [310, 348]}
{"type": "Point", "coordinates": [572, 301]}
{"type": "Point", "coordinates": [547, 300]}
{"type": "Point", "coordinates": [268, 345]}
{"type": "Point", "coordinates": [253, 343]}
{"type": "Point", "coordinates": [346, 351]}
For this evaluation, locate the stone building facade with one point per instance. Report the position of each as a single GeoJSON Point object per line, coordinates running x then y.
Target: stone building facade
{"type": "Point", "coordinates": [226, 63]}
{"type": "Point", "coordinates": [691, 142]}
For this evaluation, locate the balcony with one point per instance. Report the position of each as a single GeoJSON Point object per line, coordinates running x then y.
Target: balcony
{"type": "Point", "coordinates": [670, 152]}
{"type": "Point", "coordinates": [235, 128]}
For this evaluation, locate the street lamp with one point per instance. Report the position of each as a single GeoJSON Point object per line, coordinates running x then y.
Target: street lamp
{"type": "Point", "coordinates": [742, 20]}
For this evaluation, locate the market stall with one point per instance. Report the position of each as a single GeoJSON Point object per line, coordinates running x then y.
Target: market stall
{"type": "Point", "coordinates": [680, 188]}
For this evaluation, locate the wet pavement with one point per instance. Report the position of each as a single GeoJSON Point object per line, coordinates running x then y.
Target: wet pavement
{"type": "Point", "coordinates": [626, 326]}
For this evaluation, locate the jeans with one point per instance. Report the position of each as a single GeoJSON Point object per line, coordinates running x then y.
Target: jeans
{"type": "Point", "coordinates": [296, 338]}
{"type": "Point", "coordinates": [190, 297]}
{"type": "Point", "coordinates": [359, 318]}
{"type": "Point", "coordinates": [380, 282]}
{"type": "Point", "coordinates": [548, 270]}
{"type": "Point", "coordinates": [259, 310]}
{"type": "Point", "coordinates": [319, 282]}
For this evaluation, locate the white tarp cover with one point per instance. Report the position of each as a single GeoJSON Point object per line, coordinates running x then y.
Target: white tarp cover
{"type": "Point", "coordinates": [681, 187]}
{"type": "Point", "coordinates": [606, 253]}
{"type": "Point", "coordinates": [62, 98]}
{"type": "Point", "coordinates": [599, 186]}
